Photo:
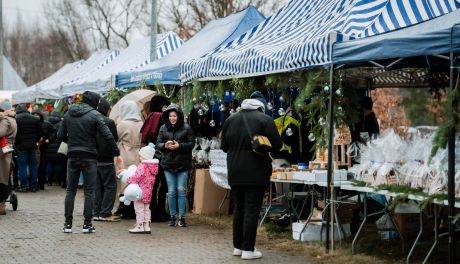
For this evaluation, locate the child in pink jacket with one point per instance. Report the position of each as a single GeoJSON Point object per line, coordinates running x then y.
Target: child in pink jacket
{"type": "Point", "coordinates": [145, 177]}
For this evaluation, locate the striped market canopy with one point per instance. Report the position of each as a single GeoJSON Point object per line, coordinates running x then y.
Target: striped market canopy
{"type": "Point", "coordinates": [300, 35]}
{"type": "Point", "coordinates": [134, 57]}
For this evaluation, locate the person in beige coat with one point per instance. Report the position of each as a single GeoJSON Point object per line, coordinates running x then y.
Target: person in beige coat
{"type": "Point", "coordinates": [8, 129]}
{"type": "Point", "coordinates": [129, 141]}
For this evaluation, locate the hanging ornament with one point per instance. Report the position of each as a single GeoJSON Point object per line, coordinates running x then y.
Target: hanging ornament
{"type": "Point", "coordinates": [311, 137]}
{"type": "Point", "coordinates": [205, 107]}
{"type": "Point", "coordinates": [194, 99]}
{"type": "Point", "coordinates": [338, 92]}
{"type": "Point", "coordinates": [289, 132]}
{"type": "Point", "coordinates": [326, 89]}
{"type": "Point", "coordinates": [233, 93]}
{"type": "Point", "coordinates": [212, 123]}
{"type": "Point", "coordinates": [232, 111]}
{"type": "Point", "coordinates": [321, 121]}
{"type": "Point", "coordinates": [340, 109]}
{"type": "Point", "coordinates": [222, 108]}
{"type": "Point", "coordinates": [281, 99]}
{"type": "Point", "coordinates": [200, 112]}
{"type": "Point", "coordinates": [238, 109]}
{"type": "Point", "coordinates": [269, 106]}
{"type": "Point", "coordinates": [281, 111]}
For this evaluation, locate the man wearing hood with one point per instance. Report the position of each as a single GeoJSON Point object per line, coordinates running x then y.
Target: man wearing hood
{"type": "Point", "coordinates": [79, 129]}
{"type": "Point", "coordinates": [248, 172]}
{"type": "Point", "coordinates": [105, 188]}
{"type": "Point", "coordinates": [176, 141]}
{"type": "Point", "coordinates": [29, 132]}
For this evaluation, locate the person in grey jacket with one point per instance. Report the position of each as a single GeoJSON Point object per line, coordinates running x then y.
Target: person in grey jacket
{"type": "Point", "coordinates": [248, 172]}
{"type": "Point", "coordinates": [79, 129]}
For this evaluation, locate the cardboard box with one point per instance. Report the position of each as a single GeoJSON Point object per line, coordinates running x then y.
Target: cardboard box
{"type": "Point", "coordinates": [321, 175]}
{"type": "Point", "coordinates": [208, 196]}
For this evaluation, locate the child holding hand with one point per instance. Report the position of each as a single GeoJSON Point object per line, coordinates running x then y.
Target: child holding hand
{"type": "Point", "coordinates": [145, 177]}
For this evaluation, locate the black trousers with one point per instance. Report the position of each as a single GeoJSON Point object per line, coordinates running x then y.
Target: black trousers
{"type": "Point", "coordinates": [247, 203]}
{"type": "Point", "coordinates": [89, 169]}
{"type": "Point", "coordinates": [159, 191]}
{"type": "Point", "coordinates": [105, 190]}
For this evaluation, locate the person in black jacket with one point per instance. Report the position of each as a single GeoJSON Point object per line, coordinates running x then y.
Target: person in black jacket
{"type": "Point", "coordinates": [29, 132]}
{"type": "Point", "coordinates": [176, 141]}
{"type": "Point", "coordinates": [248, 172]}
{"type": "Point", "coordinates": [105, 188]}
{"type": "Point", "coordinates": [79, 129]}
{"type": "Point", "coordinates": [368, 126]}
{"type": "Point", "coordinates": [51, 145]}
{"type": "Point", "coordinates": [41, 175]}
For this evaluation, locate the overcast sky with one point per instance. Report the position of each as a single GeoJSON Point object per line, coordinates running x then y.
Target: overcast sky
{"type": "Point", "coordinates": [30, 10]}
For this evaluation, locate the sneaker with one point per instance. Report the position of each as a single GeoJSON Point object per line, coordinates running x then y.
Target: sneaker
{"type": "Point", "coordinates": [251, 254]}
{"type": "Point", "coordinates": [181, 222]}
{"type": "Point", "coordinates": [137, 229]}
{"type": "Point", "coordinates": [67, 228]}
{"type": "Point", "coordinates": [97, 218]}
{"type": "Point", "coordinates": [88, 228]}
{"type": "Point", "coordinates": [109, 218]}
{"type": "Point", "coordinates": [237, 252]}
{"type": "Point", "coordinates": [172, 221]}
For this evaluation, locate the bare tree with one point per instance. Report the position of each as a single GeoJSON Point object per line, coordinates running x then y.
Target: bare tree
{"type": "Point", "coordinates": [189, 16]}
{"type": "Point", "coordinates": [66, 23]}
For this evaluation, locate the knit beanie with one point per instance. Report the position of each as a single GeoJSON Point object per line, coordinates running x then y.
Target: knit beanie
{"type": "Point", "coordinates": [5, 105]}
{"type": "Point", "coordinates": [148, 151]}
{"type": "Point", "coordinates": [259, 96]}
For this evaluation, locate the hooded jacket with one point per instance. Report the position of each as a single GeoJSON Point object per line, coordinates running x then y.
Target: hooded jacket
{"type": "Point", "coordinates": [145, 177]}
{"type": "Point", "coordinates": [129, 133]}
{"type": "Point", "coordinates": [79, 128]}
{"type": "Point", "coordinates": [8, 129]}
{"type": "Point", "coordinates": [245, 167]}
{"type": "Point", "coordinates": [29, 129]}
{"type": "Point", "coordinates": [50, 129]}
{"type": "Point", "coordinates": [103, 151]}
{"type": "Point", "coordinates": [179, 159]}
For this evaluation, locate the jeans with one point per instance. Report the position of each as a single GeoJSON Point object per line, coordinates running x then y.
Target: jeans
{"type": "Point", "coordinates": [177, 185]}
{"type": "Point", "coordinates": [247, 202]}
{"type": "Point", "coordinates": [27, 159]}
{"type": "Point", "coordinates": [54, 171]}
{"type": "Point", "coordinates": [105, 190]}
{"type": "Point", "coordinates": [74, 167]}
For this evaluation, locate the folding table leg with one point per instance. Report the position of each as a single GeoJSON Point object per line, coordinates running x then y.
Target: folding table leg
{"type": "Point", "coordinates": [416, 239]}
{"type": "Point", "coordinates": [355, 239]}
{"type": "Point", "coordinates": [436, 229]}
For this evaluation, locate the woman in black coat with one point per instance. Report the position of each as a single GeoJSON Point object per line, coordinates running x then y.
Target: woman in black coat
{"type": "Point", "coordinates": [176, 141]}
{"type": "Point", "coordinates": [54, 160]}
{"type": "Point", "coordinates": [248, 172]}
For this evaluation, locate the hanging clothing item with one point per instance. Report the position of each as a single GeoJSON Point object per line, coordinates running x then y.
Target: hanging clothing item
{"type": "Point", "coordinates": [289, 129]}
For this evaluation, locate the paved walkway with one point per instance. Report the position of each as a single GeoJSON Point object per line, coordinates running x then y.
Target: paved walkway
{"type": "Point", "coordinates": [33, 234]}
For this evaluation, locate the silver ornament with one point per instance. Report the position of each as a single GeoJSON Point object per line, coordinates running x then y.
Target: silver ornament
{"type": "Point", "coordinates": [281, 111]}
{"type": "Point", "coordinates": [326, 89]}
{"type": "Point", "coordinates": [338, 92]}
{"type": "Point", "coordinates": [311, 137]}
{"type": "Point", "coordinates": [238, 109]}
{"type": "Point", "coordinates": [269, 106]}
{"type": "Point", "coordinates": [212, 123]}
{"type": "Point", "coordinates": [205, 107]}
{"type": "Point", "coordinates": [340, 109]}
{"type": "Point", "coordinates": [222, 108]}
{"type": "Point", "coordinates": [289, 132]}
{"type": "Point", "coordinates": [200, 112]}
{"type": "Point", "coordinates": [321, 121]}
{"type": "Point", "coordinates": [281, 99]}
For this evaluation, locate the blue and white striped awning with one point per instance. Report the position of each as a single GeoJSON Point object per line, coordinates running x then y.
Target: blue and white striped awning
{"type": "Point", "coordinates": [300, 35]}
